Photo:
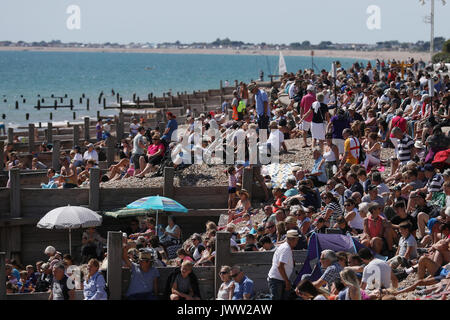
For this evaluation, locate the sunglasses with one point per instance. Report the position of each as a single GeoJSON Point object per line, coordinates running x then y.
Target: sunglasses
{"type": "Point", "coordinates": [223, 272]}
{"type": "Point", "coordinates": [234, 275]}
{"type": "Point", "coordinates": [347, 205]}
{"type": "Point", "coordinates": [270, 227]}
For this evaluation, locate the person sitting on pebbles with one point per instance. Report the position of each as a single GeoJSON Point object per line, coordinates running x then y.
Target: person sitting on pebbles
{"type": "Point", "coordinates": [155, 154]}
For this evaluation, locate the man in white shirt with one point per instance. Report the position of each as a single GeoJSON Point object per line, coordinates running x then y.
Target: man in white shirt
{"type": "Point", "coordinates": [276, 139]}
{"type": "Point", "coordinates": [377, 274]}
{"type": "Point", "coordinates": [90, 153]}
{"type": "Point", "coordinates": [282, 267]}
{"type": "Point", "coordinates": [134, 127]}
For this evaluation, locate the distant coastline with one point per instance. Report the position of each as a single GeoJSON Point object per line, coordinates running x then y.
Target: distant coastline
{"type": "Point", "coordinates": [353, 54]}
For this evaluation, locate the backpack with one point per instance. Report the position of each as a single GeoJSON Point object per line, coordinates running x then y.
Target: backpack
{"type": "Point", "coordinates": [362, 153]}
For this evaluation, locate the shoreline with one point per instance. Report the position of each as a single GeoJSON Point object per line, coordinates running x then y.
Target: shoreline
{"type": "Point", "coordinates": [350, 54]}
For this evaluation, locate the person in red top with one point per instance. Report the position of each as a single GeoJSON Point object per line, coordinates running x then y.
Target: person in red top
{"type": "Point", "coordinates": [305, 106]}
{"type": "Point", "coordinates": [155, 153]}
{"type": "Point", "coordinates": [374, 229]}
{"type": "Point", "coordinates": [279, 198]}
{"type": "Point", "coordinates": [397, 121]}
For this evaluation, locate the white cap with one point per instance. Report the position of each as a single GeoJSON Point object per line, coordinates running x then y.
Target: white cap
{"type": "Point", "coordinates": [310, 87]}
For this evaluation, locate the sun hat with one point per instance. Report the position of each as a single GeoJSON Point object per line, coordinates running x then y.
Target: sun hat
{"type": "Point", "coordinates": [446, 173]}
{"type": "Point", "coordinates": [243, 191]}
{"type": "Point", "coordinates": [292, 234]}
{"type": "Point", "coordinates": [273, 125]}
{"type": "Point", "coordinates": [291, 219]}
{"type": "Point", "coordinates": [145, 256]}
{"type": "Point", "coordinates": [425, 96]}
{"type": "Point", "coordinates": [90, 145]}
{"type": "Point", "coordinates": [419, 145]}
{"type": "Point", "coordinates": [310, 87]}
{"type": "Point", "coordinates": [251, 86]}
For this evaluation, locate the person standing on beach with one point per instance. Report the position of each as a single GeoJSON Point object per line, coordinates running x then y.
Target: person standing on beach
{"type": "Point", "coordinates": [172, 125]}
{"type": "Point", "coordinates": [305, 106]}
{"type": "Point", "coordinates": [139, 145]}
{"type": "Point", "coordinates": [261, 105]}
{"type": "Point", "coordinates": [282, 267]}
{"type": "Point", "coordinates": [99, 130]}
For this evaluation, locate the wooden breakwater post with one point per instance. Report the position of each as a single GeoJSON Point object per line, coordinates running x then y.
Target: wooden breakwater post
{"type": "Point", "coordinates": [87, 104]}
{"type": "Point", "coordinates": [30, 137]}
{"type": "Point", "coordinates": [86, 128]}
{"type": "Point", "coordinates": [223, 256]}
{"type": "Point", "coordinates": [17, 104]}
{"type": "Point", "coordinates": [76, 135]}
{"type": "Point", "coordinates": [168, 188]}
{"type": "Point", "coordinates": [110, 150]}
{"type": "Point", "coordinates": [104, 103]}
{"type": "Point", "coordinates": [10, 135]}
{"type": "Point", "coordinates": [120, 127]}
{"type": "Point", "coordinates": [13, 233]}
{"type": "Point", "coordinates": [39, 104]}
{"type": "Point", "coordinates": [56, 105]}
{"type": "Point", "coordinates": [55, 154]}
{"type": "Point", "coordinates": [114, 270]}
{"type": "Point", "coordinates": [3, 275]}
{"type": "Point", "coordinates": [94, 189]}
{"type": "Point", "coordinates": [247, 181]}
{"type": "Point", "coordinates": [2, 165]}
{"type": "Point", "coordinates": [49, 132]}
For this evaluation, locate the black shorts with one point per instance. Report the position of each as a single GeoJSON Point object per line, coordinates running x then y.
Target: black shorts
{"type": "Point", "coordinates": [231, 190]}
{"type": "Point", "coordinates": [155, 160]}
{"type": "Point", "coordinates": [135, 160]}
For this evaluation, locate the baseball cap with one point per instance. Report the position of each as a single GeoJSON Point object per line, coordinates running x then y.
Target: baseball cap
{"type": "Point", "coordinates": [371, 187]}
{"type": "Point", "coordinates": [310, 87]}
{"type": "Point", "coordinates": [428, 167]}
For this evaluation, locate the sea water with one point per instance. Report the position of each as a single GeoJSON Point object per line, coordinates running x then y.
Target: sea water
{"type": "Point", "coordinates": [27, 74]}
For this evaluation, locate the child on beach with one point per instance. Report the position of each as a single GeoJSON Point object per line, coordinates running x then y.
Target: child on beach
{"type": "Point", "coordinates": [183, 256]}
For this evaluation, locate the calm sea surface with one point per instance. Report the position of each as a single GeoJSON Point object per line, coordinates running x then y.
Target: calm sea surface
{"type": "Point", "coordinates": [75, 73]}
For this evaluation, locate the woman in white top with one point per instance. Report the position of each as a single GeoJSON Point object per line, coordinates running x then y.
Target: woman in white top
{"type": "Point", "coordinates": [373, 150]}
{"type": "Point", "coordinates": [226, 289]}
{"type": "Point", "coordinates": [330, 156]}
{"type": "Point", "coordinates": [353, 217]}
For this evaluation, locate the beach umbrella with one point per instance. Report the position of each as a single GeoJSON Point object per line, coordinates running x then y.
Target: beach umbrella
{"type": "Point", "coordinates": [70, 217]}
{"type": "Point", "coordinates": [157, 204]}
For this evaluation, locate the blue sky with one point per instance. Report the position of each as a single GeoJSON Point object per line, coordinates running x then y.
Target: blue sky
{"type": "Point", "coordinates": [205, 20]}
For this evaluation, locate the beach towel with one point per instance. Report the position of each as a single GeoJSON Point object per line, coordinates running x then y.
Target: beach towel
{"type": "Point", "coordinates": [279, 173]}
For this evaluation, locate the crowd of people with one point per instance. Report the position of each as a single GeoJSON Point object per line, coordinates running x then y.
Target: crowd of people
{"type": "Point", "coordinates": [361, 122]}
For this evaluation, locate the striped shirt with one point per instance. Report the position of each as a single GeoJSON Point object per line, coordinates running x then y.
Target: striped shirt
{"type": "Point", "coordinates": [337, 212]}
{"type": "Point", "coordinates": [404, 148]}
{"type": "Point", "coordinates": [435, 183]}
